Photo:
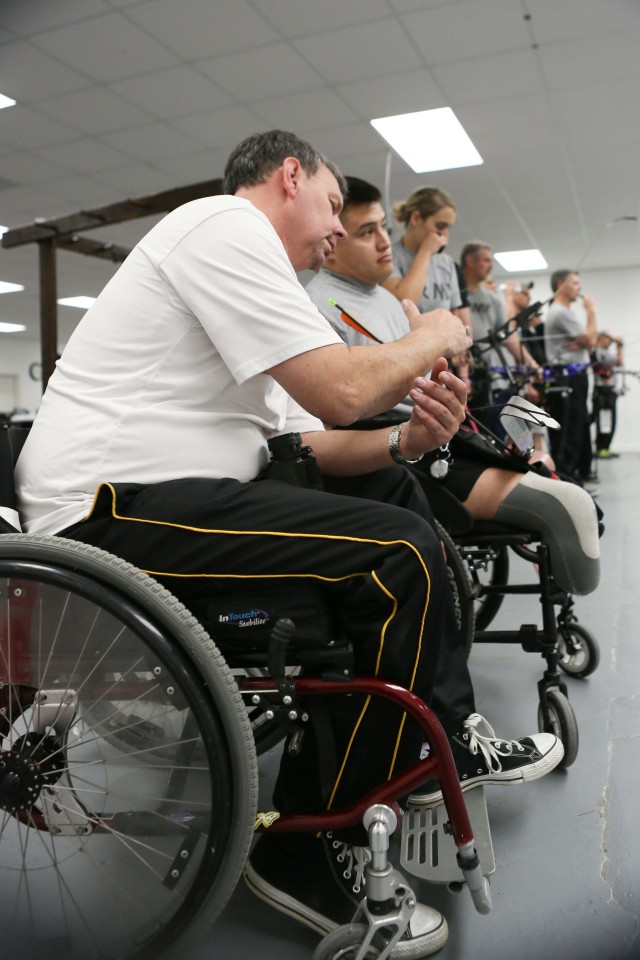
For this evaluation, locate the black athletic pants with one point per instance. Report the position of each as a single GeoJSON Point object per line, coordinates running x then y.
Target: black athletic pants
{"type": "Point", "coordinates": [383, 564]}
{"type": "Point", "coordinates": [571, 445]}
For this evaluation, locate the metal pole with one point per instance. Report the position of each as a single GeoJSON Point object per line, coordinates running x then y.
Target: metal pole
{"type": "Point", "coordinates": [48, 309]}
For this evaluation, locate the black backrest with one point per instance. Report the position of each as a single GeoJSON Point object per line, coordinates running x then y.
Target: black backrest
{"type": "Point", "coordinates": [12, 439]}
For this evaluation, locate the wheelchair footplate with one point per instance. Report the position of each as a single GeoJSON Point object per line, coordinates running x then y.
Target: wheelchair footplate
{"type": "Point", "coordinates": [427, 848]}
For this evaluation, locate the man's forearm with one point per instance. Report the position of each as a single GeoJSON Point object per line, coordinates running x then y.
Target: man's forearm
{"type": "Point", "coordinates": [341, 385]}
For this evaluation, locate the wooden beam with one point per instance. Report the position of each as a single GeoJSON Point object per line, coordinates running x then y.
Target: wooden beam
{"type": "Point", "coordinates": [93, 248]}
{"type": "Point", "coordinates": [62, 227]}
{"type": "Point", "coordinates": [48, 309]}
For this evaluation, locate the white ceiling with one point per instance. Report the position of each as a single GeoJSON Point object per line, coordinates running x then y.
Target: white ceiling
{"type": "Point", "coordinates": [122, 98]}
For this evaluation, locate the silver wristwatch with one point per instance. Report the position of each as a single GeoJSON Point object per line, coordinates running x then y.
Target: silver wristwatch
{"type": "Point", "coordinates": [394, 446]}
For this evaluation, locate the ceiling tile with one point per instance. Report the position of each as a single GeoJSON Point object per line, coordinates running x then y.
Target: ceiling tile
{"type": "Point", "coordinates": [340, 143]}
{"type": "Point", "coordinates": [221, 128]}
{"type": "Point", "coordinates": [573, 19]}
{"type": "Point", "coordinates": [138, 180]}
{"type": "Point", "coordinates": [295, 110]}
{"type": "Point", "coordinates": [195, 167]}
{"type": "Point", "coordinates": [106, 48]}
{"type": "Point", "coordinates": [79, 192]}
{"type": "Point", "coordinates": [490, 78]}
{"type": "Point", "coordinates": [29, 168]}
{"type": "Point", "coordinates": [173, 93]}
{"type": "Point", "coordinates": [152, 141]}
{"type": "Point", "coordinates": [94, 110]}
{"type": "Point", "coordinates": [34, 16]}
{"type": "Point", "coordinates": [197, 29]}
{"type": "Point", "coordinates": [393, 93]}
{"type": "Point", "coordinates": [28, 75]}
{"type": "Point", "coordinates": [454, 31]}
{"type": "Point", "coordinates": [87, 156]}
{"type": "Point", "coordinates": [355, 53]}
{"type": "Point", "coordinates": [293, 18]}
{"type": "Point", "coordinates": [26, 129]}
{"type": "Point", "coordinates": [571, 63]}
{"type": "Point", "coordinates": [275, 69]}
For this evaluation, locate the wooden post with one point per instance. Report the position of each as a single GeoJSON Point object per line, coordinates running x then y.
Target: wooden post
{"type": "Point", "coordinates": [48, 309]}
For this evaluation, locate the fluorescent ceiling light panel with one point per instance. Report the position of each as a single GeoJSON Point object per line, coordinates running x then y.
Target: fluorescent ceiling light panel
{"type": "Point", "coordinates": [429, 140]}
{"type": "Point", "coordinates": [516, 261]}
{"type": "Point", "coordinates": [6, 102]}
{"type": "Point", "coordinates": [10, 287]}
{"type": "Point", "coordinates": [83, 303]}
{"type": "Point", "coordinates": [12, 327]}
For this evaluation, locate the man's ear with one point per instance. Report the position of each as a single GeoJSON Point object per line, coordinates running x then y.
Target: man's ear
{"type": "Point", "coordinates": [291, 171]}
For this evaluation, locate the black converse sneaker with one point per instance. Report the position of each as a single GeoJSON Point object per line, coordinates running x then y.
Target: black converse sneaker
{"type": "Point", "coordinates": [320, 881]}
{"type": "Point", "coordinates": [484, 758]}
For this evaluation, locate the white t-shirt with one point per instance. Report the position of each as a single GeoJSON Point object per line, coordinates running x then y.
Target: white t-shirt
{"type": "Point", "coordinates": [164, 376]}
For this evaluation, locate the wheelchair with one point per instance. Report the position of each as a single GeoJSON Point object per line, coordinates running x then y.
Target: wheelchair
{"type": "Point", "coordinates": [566, 646]}
{"type": "Point", "coordinates": [128, 770]}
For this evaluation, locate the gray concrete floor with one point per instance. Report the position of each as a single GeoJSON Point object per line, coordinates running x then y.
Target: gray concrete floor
{"type": "Point", "coordinates": [567, 847]}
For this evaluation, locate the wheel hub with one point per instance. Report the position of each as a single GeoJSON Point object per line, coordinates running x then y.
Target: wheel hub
{"type": "Point", "coordinates": [25, 770]}
{"type": "Point", "coordinates": [20, 782]}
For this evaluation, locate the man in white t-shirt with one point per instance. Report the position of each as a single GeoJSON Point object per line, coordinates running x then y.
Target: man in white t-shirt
{"type": "Point", "coordinates": [156, 420]}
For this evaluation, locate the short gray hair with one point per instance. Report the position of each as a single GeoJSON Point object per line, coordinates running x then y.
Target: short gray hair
{"type": "Point", "coordinates": [255, 159]}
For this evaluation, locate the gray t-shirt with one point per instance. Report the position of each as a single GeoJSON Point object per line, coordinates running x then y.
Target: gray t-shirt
{"type": "Point", "coordinates": [560, 325]}
{"type": "Point", "coordinates": [488, 316]}
{"type": "Point", "coordinates": [441, 288]}
{"type": "Point", "coordinates": [371, 306]}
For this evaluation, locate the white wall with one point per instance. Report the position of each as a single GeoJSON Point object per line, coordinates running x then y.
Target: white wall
{"type": "Point", "coordinates": [617, 296]}
{"type": "Point", "coordinates": [16, 356]}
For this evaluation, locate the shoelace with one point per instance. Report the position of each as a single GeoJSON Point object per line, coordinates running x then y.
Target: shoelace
{"type": "Point", "coordinates": [356, 858]}
{"type": "Point", "coordinates": [490, 746]}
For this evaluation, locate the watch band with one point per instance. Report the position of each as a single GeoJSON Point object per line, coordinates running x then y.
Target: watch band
{"type": "Point", "coordinates": [394, 446]}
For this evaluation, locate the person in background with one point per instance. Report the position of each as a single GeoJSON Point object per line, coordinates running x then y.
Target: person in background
{"type": "Point", "coordinates": [568, 344]}
{"type": "Point", "coordinates": [517, 297]}
{"type": "Point", "coordinates": [422, 270]}
{"type": "Point", "coordinates": [607, 355]}
{"type": "Point", "coordinates": [488, 318]}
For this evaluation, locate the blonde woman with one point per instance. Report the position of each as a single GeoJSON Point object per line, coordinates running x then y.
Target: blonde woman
{"type": "Point", "coordinates": [422, 271]}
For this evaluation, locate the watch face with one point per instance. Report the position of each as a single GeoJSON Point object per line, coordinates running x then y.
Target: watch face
{"type": "Point", "coordinates": [439, 469]}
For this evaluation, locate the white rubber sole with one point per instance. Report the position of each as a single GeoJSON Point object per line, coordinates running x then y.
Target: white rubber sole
{"type": "Point", "coordinates": [508, 778]}
{"type": "Point", "coordinates": [420, 946]}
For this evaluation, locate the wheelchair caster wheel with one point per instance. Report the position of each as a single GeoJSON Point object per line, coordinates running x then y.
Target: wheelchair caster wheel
{"type": "Point", "coordinates": [555, 715]}
{"type": "Point", "coordinates": [579, 650]}
{"type": "Point", "coordinates": [344, 943]}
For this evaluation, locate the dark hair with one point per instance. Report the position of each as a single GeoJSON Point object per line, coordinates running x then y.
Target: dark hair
{"type": "Point", "coordinates": [426, 200]}
{"type": "Point", "coordinates": [559, 277]}
{"type": "Point", "coordinates": [472, 250]}
{"type": "Point", "coordinates": [255, 159]}
{"type": "Point", "coordinates": [359, 193]}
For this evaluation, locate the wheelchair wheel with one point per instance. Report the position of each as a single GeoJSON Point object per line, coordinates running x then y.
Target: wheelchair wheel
{"type": "Point", "coordinates": [461, 587]}
{"type": "Point", "coordinates": [579, 650]}
{"type": "Point", "coordinates": [497, 572]}
{"type": "Point", "coordinates": [343, 943]}
{"type": "Point", "coordinates": [128, 778]}
{"type": "Point", "coordinates": [561, 721]}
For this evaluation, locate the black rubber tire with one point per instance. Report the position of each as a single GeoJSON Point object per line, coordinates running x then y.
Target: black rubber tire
{"type": "Point", "coordinates": [343, 943]}
{"type": "Point", "coordinates": [461, 587]}
{"type": "Point", "coordinates": [561, 722]}
{"type": "Point", "coordinates": [580, 662]}
{"type": "Point", "coordinates": [166, 788]}
{"type": "Point", "coordinates": [486, 607]}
